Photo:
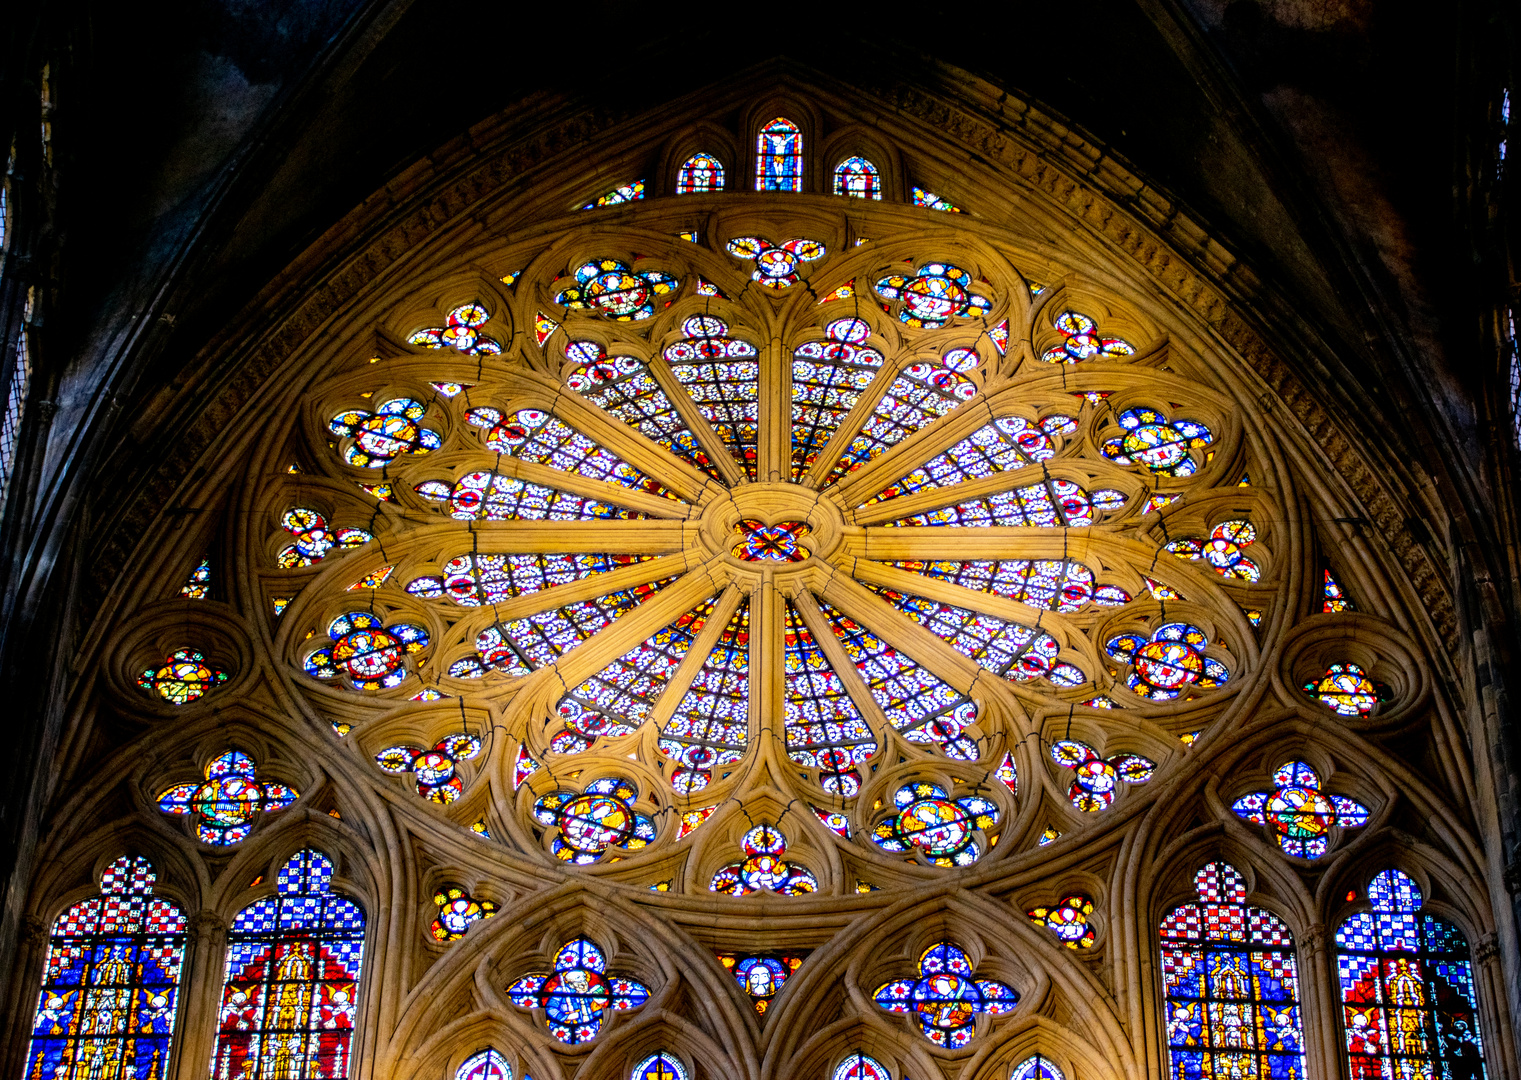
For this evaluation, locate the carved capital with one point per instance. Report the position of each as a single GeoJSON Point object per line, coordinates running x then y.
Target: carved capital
{"type": "Point", "coordinates": [1315, 938]}
{"type": "Point", "coordinates": [207, 926]}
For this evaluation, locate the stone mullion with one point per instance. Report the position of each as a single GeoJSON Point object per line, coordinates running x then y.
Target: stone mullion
{"type": "Point", "coordinates": [676, 687]}
{"type": "Point", "coordinates": [570, 537]}
{"type": "Point", "coordinates": [1320, 1004]}
{"type": "Point", "coordinates": [654, 460]}
{"type": "Point", "coordinates": [774, 449]}
{"type": "Point", "coordinates": [696, 423]}
{"type": "Point", "coordinates": [982, 487]}
{"type": "Point", "coordinates": [588, 588]}
{"type": "Point", "coordinates": [767, 683]}
{"type": "Point", "coordinates": [642, 501]}
{"type": "Point", "coordinates": [854, 488]}
{"type": "Point", "coordinates": [623, 634]}
{"type": "Point", "coordinates": [902, 633]}
{"type": "Point", "coordinates": [200, 997]}
{"type": "Point", "coordinates": [850, 425]}
{"type": "Point", "coordinates": [850, 675]}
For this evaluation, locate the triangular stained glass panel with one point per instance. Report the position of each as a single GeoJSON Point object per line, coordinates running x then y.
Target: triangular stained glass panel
{"type": "Point", "coordinates": [623, 387]}
{"type": "Point", "coordinates": [722, 377]}
{"type": "Point", "coordinates": [924, 707]}
{"type": "Point", "coordinates": [1010, 649]}
{"type": "Point", "coordinates": [476, 580]}
{"type": "Point", "coordinates": [922, 394]}
{"type": "Point", "coordinates": [1053, 504]}
{"type": "Point", "coordinates": [543, 438]}
{"type": "Point", "coordinates": [620, 697]}
{"type": "Point", "coordinates": [1010, 443]}
{"type": "Point", "coordinates": [493, 496]}
{"type": "Point", "coordinates": [824, 728]}
{"type": "Point", "coordinates": [828, 378]}
{"type": "Point", "coordinates": [520, 646]}
{"type": "Point", "coordinates": [710, 727]}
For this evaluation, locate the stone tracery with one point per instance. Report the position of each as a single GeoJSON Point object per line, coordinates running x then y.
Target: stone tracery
{"type": "Point", "coordinates": [677, 483]}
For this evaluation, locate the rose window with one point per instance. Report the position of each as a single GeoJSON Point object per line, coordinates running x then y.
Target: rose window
{"type": "Point", "coordinates": [730, 513]}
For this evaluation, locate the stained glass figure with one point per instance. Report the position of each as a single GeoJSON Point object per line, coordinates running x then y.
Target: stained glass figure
{"type": "Point", "coordinates": [710, 727]}
{"type": "Point", "coordinates": [476, 580]}
{"type": "Point", "coordinates": [722, 376]}
{"type": "Point", "coordinates": [760, 542]}
{"type": "Point", "coordinates": [1346, 689]}
{"type": "Point", "coordinates": [619, 698]}
{"type": "Point", "coordinates": [762, 977]}
{"type": "Point", "coordinates": [859, 178]}
{"type": "Point", "coordinates": [1038, 1067]}
{"type": "Point", "coordinates": [198, 585]}
{"type": "Point", "coordinates": [1409, 1006]}
{"type": "Point", "coordinates": [1051, 504]}
{"type": "Point", "coordinates": [435, 771]}
{"type": "Point", "coordinates": [184, 676]}
{"type": "Point", "coordinates": [1010, 443]}
{"type": "Point", "coordinates": [1082, 341]}
{"type": "Point", "coordinates": [933, 295]}
{"type": "Point", "coordinates": [934, 202]}
{"type": "Point", "coordinates": [623, 387]}
{"type": "Point", "coordinates": [859, 1066]}
{"type": "Point", "coordinates": [375, 439]}
{"type": "Point", "coordinates": [457, 910]}
{"type": "Point", "coordinates": [543, 438]}
{"type": "Point", "coordinates": [825, 730]}
{"type": "Point", "coordinates": [776, 265]}
{"type": "Point", "coordinates": [699, 173]}
{"type": "Point", "coordinates": [590, 823]}
{"type": "Point", "coordinates": [1097, 779]}
{"type": "Point", "coordinates": [226, 803]}
{"type": "Point", "coordinates": [1017, 652]}
{"type": "Point", "coordinates": [779, 156]}
{"type": "Point", "coordinates": [370, 656]}
{"type": "Point", "coordinates": [488, 1064]}
{"type": "Point", "coordinates": [1168, 662]}
{"type": "Point", "coordinates": [921, 394]}
{"type": "Point", "coordinates": [1057, 584]}
{"type": "Point", "coordinates": [763, 868]}
{"type": "Point", "coordinates": [828, 378]}
{"type": "Point", "coordinates": [662, 1066]}
{"type": "Point", "coordinates": [1222, 550]}
{"type": "Point", "coordinates": [1299, 812]}
{"type": "Point", "coordinates": [519, 646]}
{"type": "Point", "coordinates": [1335, 599]}
{"type": "Point", "coordinates": [923, 707]}
{"type": "Point", "coordinates": [942, 830]}
{"type": "Point", "coordinates": [463, 332]}
{"type": "Point", "coordinates": [1160, 444]}
{"type": "Point", "coordinates": [612, 288]}
{"type": "Point", "coordinates": [290, 995]}
{"type": "Point", "coordinates": [110, 982]}
{"type": "Point", "coordinates": [493, 496]}
{"type": "Point", "coordinates": [313, 538]}
{"type": "Point", "coordinates": [1068, 920]}
{"type": "Point", "coordinates": [623, 193]}
{"type": "Point", "coordinates": [945, 999]}
{"type": "Point", "coordinates": [578, 994]}
{"type": "Point", "coordinates": [1232, 985]}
